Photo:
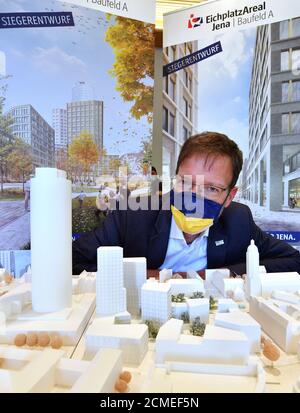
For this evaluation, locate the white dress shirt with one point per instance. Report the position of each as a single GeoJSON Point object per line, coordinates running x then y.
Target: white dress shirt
{"type": "Point", "coordinates": [184, 257]}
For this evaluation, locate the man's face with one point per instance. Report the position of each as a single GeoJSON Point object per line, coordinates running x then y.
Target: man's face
{"type": "Point", "coordinates": [217, 174]}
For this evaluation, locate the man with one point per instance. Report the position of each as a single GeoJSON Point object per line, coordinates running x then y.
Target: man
{"type": "Point", "coordinates": [27, 195]}
{"type": "Point", "coordinates": [81, 197]}
{"type": "Point", "coordinates": [168, 238]}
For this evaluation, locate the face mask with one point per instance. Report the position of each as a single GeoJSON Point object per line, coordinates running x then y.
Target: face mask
{"type": "Point", "coordinates": [189, 204]}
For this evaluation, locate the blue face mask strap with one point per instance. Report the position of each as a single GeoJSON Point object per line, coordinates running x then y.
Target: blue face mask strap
{"type": "Point", "coordinates": [222, 209]}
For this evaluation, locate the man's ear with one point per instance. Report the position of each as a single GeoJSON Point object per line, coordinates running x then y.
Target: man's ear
{"type": "Point", "coordinates": [231, 195]}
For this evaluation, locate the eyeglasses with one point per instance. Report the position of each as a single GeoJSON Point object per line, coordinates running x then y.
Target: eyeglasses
{"type": "Point", "coordinates": [207, 190]}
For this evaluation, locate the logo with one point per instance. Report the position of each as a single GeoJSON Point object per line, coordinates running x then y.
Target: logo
{"type": "Point", "coordinates": [194, 21]}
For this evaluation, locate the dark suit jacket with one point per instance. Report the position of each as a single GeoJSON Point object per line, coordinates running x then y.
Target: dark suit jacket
{"type": "Point", "coordinates": [146, 234]}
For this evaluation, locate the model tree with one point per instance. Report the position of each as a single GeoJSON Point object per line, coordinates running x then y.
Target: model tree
{"type": "Point", "coordinates": [197, 294]}
{"type": "Point", "coordinates": [197, 328]}
{"type": "Point", "coordinates": [213, 304]}
{"type": "Point", "coordinates": [179, 298]}
{"type": "Point", "coordinates": [153, 328]}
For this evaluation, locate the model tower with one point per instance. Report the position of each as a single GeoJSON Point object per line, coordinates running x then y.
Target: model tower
{"type": "Point", "coordinates": [51, 240]}
{"type": "Point", "coordinates": [156, 302]}
{"type": "Point", "coordinates": [110, 291]}
{"type": "Point", "coordinates": [253, 281]}
{"type": "Point", "coordinates": [135, 276]}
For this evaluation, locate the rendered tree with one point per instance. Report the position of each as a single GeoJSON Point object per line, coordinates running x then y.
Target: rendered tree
{"type": "Point", "coordinates": [84, 150]}
{"type": "Point", "coordinates": [20, 160]}
{"type": "Point", "coordinates": [146, 147]}
{"type": "Point", "coordinates": [133, 45]}
{"type": "Point", "coordinates": [61, 159]}
{"type": "Point", "coordinates": [114, 165]}
{"type": "Point", "coordinates": [6, 137]}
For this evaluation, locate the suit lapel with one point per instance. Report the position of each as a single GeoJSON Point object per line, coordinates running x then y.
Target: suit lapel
{"type": "Point", "coordinates": [216, 247]}
{"type": "Point", "coordinates": [158, 242]}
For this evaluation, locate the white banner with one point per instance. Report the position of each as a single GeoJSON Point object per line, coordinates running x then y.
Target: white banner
{"type": "Point", "coordinates": [207, 19]}
{"type": "Point", "coordinates": [143, 10]}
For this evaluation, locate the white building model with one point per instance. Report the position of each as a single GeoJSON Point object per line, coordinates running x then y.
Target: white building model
{"type": "Point", "coordinates": [51, 240]}
{"type": "Point", "coordinates": [110, 291]}
{"type": "Point", "coordinates": [226, 349]}
{"type": "Point", "coordinates": [156, 302]}
{"type": "Point", "coordinates": [273, 299]}
{"type": "Point", "coordinates": [47, 305]}
{"type": "Point", "coordinates": [135, 275]}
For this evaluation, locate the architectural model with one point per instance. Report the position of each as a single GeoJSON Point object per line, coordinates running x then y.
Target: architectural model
{"type": "Point", "coordinates": [110, 291]}
{"type": "Point", "coordinates": [227, 286]}
{"type": "Point", "coordinates": [282, 324]}
{"type": "Point", "coordinates": [165, 275]}
{"type": "Point", "coordinates": [172, 345]}
{"type": "Point", "coordinates": [48, 371]}
{"type": "Point", "coordinates": [184, 377]}
{"type": "Point", "coordinates": [187, 286]}
{"type": "Point", "coordinates": [46, 304]}
{"type": "Point", "coordinates": [203, 338]}
{"type": "Point", "coordinates": [135, 275]}
{"type": "Point", "coordinates": [51, 255]}
{"type": "Point", "coordinates": [132, 339]}
{"type": "Point", "coordinates": [242, 321]}
{"type": "Point", "coordinates": [16, 316]}
{"type": "Point", "coordinates": [296, 388]}
{"type": "Point", "coordinates": [156, 301]}
{"type": "Point", "coordinates": [84, 283]}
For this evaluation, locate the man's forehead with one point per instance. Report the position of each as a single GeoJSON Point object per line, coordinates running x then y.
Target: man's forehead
{"type": "Point", "coordinates": [211, 166]}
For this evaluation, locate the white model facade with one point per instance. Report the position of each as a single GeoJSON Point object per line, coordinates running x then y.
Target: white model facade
{"type": "Point", "coordinates": [186, 286]}
{"type": "Point", "coordinates": [218, 345]}
{"type": "Point", "coordinates": [224, 284]}
{"type": "Point", "coordinates": [135, 276]}
{"type": "Point", "coordinates": [13, 302]}
{"type": "Point", "coordinates": [156, 302]}
{"type": "Point", "coordinates": [110, 291]}
{"type": "Point", "coordinates": [51, 240]}
{"type": "Point", "coordinates": [85, 283]}
{"type": "Point", "coordinates": [132, 339]}
{"type": "Point", "coordinates": [165, 274]}
{"type": "Point", "coordinates": [242, 321]}
{"type": "Point", "coordinates": [48, 371]}
{"type": "Point", "coordinates": [281, 323]}
{"type": "Point", "coordinates": [252, 283]}
{"type": "Point", "coordinates": [192, 308]}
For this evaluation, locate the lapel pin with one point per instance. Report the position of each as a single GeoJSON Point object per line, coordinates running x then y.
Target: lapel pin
{"type": "Point", "coordinates": [218, 243]}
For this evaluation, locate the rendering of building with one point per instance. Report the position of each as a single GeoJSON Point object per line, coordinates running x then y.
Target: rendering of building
{"type": "Point", "coordinates": [180, 105]}
{"type": "Point", "coordinates": [110, 291]}
{"type": "Point", "coordinates": [108, 164]}
{"type": "Point", "coordinates": [59, 124]}
{"type": "Point", "coordinates": [273, 167]}
{"type": "Point", "coordinates": [32, 128]}
{"type": "Point", "coordinates": [7, 261]}
{"type": "Point", "coordinates": [85, 117]}
{"type": "Point", "coordinates": [82, 91]}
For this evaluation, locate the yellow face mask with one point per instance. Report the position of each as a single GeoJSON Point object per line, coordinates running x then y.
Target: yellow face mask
{"type": "Point", "coordinates": [190, 225]}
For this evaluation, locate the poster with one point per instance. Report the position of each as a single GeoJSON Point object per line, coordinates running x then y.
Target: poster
{"type": "Point", "coordinates": [235, 67]}
{"type": "Point", "coordinates": [73, 95]}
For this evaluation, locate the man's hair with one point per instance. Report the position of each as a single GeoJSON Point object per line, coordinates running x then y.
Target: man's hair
{"type": "Point", "coordinates": [212, 144]}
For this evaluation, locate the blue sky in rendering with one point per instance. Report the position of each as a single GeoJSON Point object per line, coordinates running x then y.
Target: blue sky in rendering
{"type": "Point", "coordinates": [45, 63]}
{"type": "Point", "coordinates": [224, 82]}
